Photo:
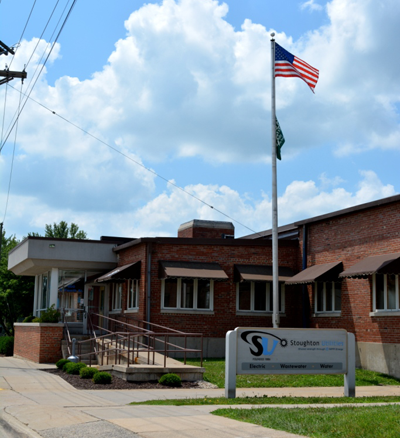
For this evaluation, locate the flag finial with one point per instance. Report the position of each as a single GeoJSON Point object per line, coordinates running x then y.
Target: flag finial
{"type": "Point", "coordinates": [272, 36]}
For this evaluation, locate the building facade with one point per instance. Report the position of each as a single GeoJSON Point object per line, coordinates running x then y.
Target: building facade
{"type": "Point", "coordinates": [339, 270]}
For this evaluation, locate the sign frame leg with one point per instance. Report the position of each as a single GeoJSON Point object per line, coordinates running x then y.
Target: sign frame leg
{"type": "Point", "coordinates": [230, 364]}
{"type": "Point", "coordinates": [350, 377]}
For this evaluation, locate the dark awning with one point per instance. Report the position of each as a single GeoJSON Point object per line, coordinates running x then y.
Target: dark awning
{"type": "Point", "coordinates": [380, 264]}
{"type": "Point", "coordinates": [210, 271]}
{"type": "Point", "coordinates": [260, 273]}
{"type": "Point", "coordinates": [121, 273]}
{"type": "Point", "coordinates": [324, 272]}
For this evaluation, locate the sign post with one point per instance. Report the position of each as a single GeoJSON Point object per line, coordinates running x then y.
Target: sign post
{"type": "Point", "coordinates": [289, 351]}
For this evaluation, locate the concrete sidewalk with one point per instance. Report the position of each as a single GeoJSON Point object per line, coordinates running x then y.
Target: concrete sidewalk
{"type": "Point", "coordinates": [38, 404]}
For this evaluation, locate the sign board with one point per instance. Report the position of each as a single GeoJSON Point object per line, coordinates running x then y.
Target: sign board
{"type": "Point", "coordinates": [288, 351]}
{"type": "Point", "coordinates": [253, 350]}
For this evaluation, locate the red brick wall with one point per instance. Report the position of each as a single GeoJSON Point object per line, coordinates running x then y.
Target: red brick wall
{"type": "Point", "coordinates": [351, 238]}
{"type": "Point", "coordinates": [224, 317]}
{"type": "Point", "coordinates": [40, 343]}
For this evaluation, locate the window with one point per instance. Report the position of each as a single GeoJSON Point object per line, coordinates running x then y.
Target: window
{"type": "Point", "coordinates": [133, 294]}
{"type": "Point", "coordinates": [116, 296]}
{"type": "Point", "coordinates": [385, 289]}
{"type": "Point", "coordinates": [258, 297]}
{"type": "Point", "coordinates": [328, 296]}
{"type": "Point", "coordinates": [187, 293]}
{"type": "Point", "coordinates": [45, 286]}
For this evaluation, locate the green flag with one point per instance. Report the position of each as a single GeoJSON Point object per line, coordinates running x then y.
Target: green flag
{"type": "Point", "coordinates": [280, 139]}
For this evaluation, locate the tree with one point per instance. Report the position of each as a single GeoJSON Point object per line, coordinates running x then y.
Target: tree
{"type": "Point", "coordinates": [16, 292]}
{"type": "Point", "coordinates": [62, 231]}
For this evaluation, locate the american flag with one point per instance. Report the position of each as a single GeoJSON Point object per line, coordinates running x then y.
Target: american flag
{"type": "Point", "coordinates": [288, 65]}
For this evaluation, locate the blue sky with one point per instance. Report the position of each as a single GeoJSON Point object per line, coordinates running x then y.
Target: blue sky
{"type": "Point", "coordinates": [183, 88]}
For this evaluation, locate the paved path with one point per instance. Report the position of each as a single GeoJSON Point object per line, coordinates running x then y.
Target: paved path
{"type": "Point", "coordinates": [41, 405]}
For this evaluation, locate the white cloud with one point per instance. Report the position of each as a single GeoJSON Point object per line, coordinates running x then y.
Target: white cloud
{"type": "Point", "coordinates": [311, 5]}
{"type": "Point", "coordinates": [183, 76]}
{"type": "Point", "coordinates": [184, 83]}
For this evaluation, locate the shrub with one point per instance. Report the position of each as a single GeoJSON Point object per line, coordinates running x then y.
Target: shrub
{"type": "Point", "coordinates": [73, 368]}
{"type": "Point", "coordinates": [60, 364]}
{"type": "Point", "coordinates": [87, 372]}
{"type": "Point", "coordinates": [29, 318]}
{"type": "Point", "coordinates": [7, 345]}
{"type": "Point", "coordinates": [36, 320]}
{"type": "Point", "coordinates": [170, 380]}
{"type": "Point", "coordinates": [102, 378]}
{"type": "Point", "coordinates": [50, 315]}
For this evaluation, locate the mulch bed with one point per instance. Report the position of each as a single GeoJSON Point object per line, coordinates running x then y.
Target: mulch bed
{"type": "Point", "coordinates": [116, 382]}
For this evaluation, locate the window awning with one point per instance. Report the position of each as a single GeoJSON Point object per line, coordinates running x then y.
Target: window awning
{"type": "Point", "coordinates": [177, 269]}
{"type": "Point", "coordinates": [121, 273]}
{"type": "Point", "coordinates": [324, 272]}
{"type": "Point", "coordinates": [380, 264]}
{"type": "Point", "coordinates": [260, 273]}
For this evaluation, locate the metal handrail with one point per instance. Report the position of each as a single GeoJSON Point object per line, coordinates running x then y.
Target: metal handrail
{"type": "Point", "coordinates": [131, 341]}
{"type": "Point", "coordinates": [134, 331]}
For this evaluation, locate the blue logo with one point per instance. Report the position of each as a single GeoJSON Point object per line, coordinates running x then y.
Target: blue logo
{"type": "Point", "coordinates": [262, 345]}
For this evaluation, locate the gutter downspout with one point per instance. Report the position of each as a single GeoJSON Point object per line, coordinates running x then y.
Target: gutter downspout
{"type": "Point", "coordinates": [148, 284]}
{"type": "Point", "coordinates": [304, 287]}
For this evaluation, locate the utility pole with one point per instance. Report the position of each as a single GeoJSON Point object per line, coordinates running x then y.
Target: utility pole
{"type": "Point", "coordinates": [7, 74]}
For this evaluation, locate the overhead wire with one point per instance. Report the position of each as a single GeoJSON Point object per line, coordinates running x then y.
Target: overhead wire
{"type": "Point", "coordinates": [23, 32]}
{"type": "Point", "coordinates": [37, 77]}
{"type": "Point", "coordinates": [15, 122]}
{"type": "Point", "coordinates": [44, 30]}
{"type": "Point", "coordinates": [19, 111]}
{"type": "Point", "coordinates": [40, 60]}
{"type": "Point", "coordinates": [12, 161]}
{"type": "Point", "coordinates": [168, 181]}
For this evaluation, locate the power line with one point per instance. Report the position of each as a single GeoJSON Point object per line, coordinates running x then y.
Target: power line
{"type": "Point", "coordinates": [26, 24]}
{"type": "Point", "coordinates": [141, 165]}
{"type": "Point", "coordinates": [37, 77]}
{"type": "Point", "coordinates": [12, 162]}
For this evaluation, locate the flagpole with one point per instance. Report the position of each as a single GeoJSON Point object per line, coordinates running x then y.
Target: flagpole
{"type": "Point", "coordinates": [275, 271]}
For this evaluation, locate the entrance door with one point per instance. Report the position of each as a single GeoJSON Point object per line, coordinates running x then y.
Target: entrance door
{"type": "Point", "coordinates": [97, 306]}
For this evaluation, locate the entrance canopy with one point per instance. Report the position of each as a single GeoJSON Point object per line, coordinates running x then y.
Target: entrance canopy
{"type": "Point", "coordinates": [121, 273]}
{"type": "Point", "coordinates": [174, 269]}
{"type": "Point", "coordinates": [260, 273]}
{"type": "Point", "coordinates": [324, 272]}
{"type": "Point", "coordinates": [380, 264]}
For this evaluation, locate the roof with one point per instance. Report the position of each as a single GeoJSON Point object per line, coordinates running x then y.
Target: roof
{"type": "Point", "coordinates": [199, 223]}
{"type": "Point", "coordinates": [203, 242]}
{"type": "Point", "coordinates": [36, 255]}
{"type": "Point", "coordinates": [349, 210]}
{"type": "Point", "coordinates": [380, 264]}
{"type": "Point", "coordinates": [324, 272]}
{"type": "Point", "coordinates": [290, 231]}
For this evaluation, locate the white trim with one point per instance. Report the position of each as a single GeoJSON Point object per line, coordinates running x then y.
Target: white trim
{"type": "Point", "coordinates": [268, 293]}
{"type": "Point", "coordinates": [375, 310]}
{"type": "Point", "coordinates": [325, 312]}
{"type": "Point", "coordinates": [385, 313]}
{"type": "Point", "coordinates": [179, 307]}
{"type": "Point", "coordinates": [166, 311]}
{"type": "Point", "coordinates": [135, 306]}
{"type": "Point", "coordinates": [335, 314]}
{"type": "Point", "coordinates": [116, 298]}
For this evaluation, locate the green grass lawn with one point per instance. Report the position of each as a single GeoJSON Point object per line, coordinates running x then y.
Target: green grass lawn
{"type": "Point", "coordinates": [215, 373]}
{"type": "Point", "coordinates": [343, 422]}
{"type": "Point", "coordinates": [266, 400]}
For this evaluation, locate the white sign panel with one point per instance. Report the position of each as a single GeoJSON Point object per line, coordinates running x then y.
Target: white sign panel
{"type": "Point", "coordinates": [291, 351]}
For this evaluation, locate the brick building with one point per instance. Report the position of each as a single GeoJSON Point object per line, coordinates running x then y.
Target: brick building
{"type": "Point", "coordinates": [339, 270]}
